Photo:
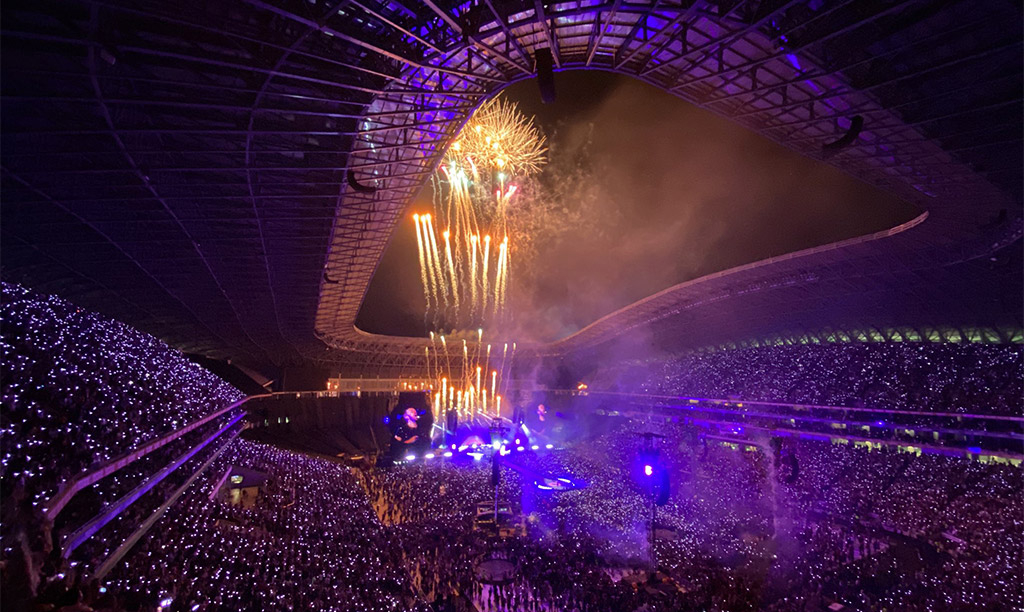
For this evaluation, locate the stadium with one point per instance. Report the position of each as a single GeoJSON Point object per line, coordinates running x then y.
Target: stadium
{"type": "Point", "coordinates": [380, 305]}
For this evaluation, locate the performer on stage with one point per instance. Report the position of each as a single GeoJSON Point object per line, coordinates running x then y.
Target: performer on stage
{"type": "Point", "coordinates": [407, 431]}
{"type": "Point", "coordinates": [540, 422]}
{"type": "Point", "coordinates": [411, 424]}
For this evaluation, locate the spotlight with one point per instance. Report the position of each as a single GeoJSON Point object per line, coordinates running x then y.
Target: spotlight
{"type": "Point", "coordinates": [410, 457]}
{"type": "Point", "coordinates": [648, 470]}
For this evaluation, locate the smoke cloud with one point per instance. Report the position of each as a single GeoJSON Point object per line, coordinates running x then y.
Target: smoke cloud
{"type": "Point", "coordinates": [644, 191]}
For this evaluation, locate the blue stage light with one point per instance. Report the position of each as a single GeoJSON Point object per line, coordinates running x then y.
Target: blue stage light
{"type": "Point", "coordinates": [648, 470]}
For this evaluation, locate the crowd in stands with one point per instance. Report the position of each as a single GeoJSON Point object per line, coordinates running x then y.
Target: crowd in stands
{"type": "Point", "coordinates": [310, 542]}
{"type": "Point", "coordinates": [751, 524]}
{"type": "Point", "coordinates": [107, 539]}
{"type": "Point", "coordinates": [870, 529]}
{"type": "Point", "coordinates": [77, 390]}
{"type": "Point", "coordinates": [93, 499]}
{"type": "Point", "coordinates": [920, 376]}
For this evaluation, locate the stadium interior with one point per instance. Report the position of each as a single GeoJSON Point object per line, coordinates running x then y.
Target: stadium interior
{"type": "Point", "coordinates": [497, 305]}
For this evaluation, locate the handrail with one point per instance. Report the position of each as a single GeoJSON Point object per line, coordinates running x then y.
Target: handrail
{"type": "Point", "coordinates": [123, 549]}
{"type": "Point", "coordinates": [930, 448]}
{"type": "Point", "coordinates": [90, 477]}
{"type": "Point", "coordinates": [812, 419]}
{"type": "Point", "coordinates": [965, 415]}
{"type": "Point", "coordinates": [87, 530]}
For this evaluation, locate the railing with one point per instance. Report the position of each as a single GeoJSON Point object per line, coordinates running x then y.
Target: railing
{"type": "Point", "coordinates": [105, 567]}
{"type": "Point", "coordinates": [90, 477]}
{"type": "Point", "coordinates": [795, 405]}
{"type": "Point", "coordinates": [786, 418]}
{"type": "Point", "coordinates": [113, 510]}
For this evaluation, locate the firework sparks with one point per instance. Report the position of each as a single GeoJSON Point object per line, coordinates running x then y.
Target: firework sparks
{"type": "Point", "coordinates": [465, 277]}
{"type": "Point", "coordinates": [474, 189]}
{"type": "Point", "coordinates": [498, 135]}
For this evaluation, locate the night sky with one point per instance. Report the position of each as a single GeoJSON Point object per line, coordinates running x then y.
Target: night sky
{"type": "Point", "coordinates": [655, 192]}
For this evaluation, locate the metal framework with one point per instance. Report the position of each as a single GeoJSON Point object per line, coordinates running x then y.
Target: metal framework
{"type": "Point", "coordinates": [227, 175]}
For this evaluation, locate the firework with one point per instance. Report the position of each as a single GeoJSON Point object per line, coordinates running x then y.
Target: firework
{"type": "Point", "coordinates": [499, 136]}
{"type": "Point", "coordinates": [474, 189]}
{"type": "Point", "coordinates": [465, 277]}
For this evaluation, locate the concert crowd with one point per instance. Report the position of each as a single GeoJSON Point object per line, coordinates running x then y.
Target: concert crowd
{"type": "Point", "coordinates": [872, 529]}
{"type": "Point", "coordinates": [756, 524]}
{"type": "Point", "coordinates": [917, 376]}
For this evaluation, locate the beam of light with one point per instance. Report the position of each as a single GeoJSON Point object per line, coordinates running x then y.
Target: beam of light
{"type": "Point", "coordinates": [474, 247]}
{"type": "Point", "coordinates": [447, 357]}
{"type": "Point", "coordinates": [426, 355]}
{"type": "Point", "coordinates": [487, 255]}
{"type": "Point", "coordinates": [479, 349]}
{"type": "Point", "coordinates": [499, 281]}
{"type": "Point", "coordinates": [436, 257]}
{"type": "Point", "coordinates": [427, 294]}
{"type": "Point", "coordinates": [435, 368]}
{"type": "Point", "coordinates": [430, 256]}
{"type": "Point", "coordinates": [451, 268]}
{"type": "Point", "coordinates": [501, 368]}
{"type": "Point", "coordinates": [505, 267]}
{"type": "Point", "coordinates": [444, 391]}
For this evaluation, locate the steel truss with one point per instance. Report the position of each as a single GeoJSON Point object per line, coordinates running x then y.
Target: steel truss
{"type": "Point", "coordinates": [228, 175]}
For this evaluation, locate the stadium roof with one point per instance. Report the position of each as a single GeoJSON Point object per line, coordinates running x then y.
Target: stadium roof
{"type": "Point", "coordinates": [226, 176]}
